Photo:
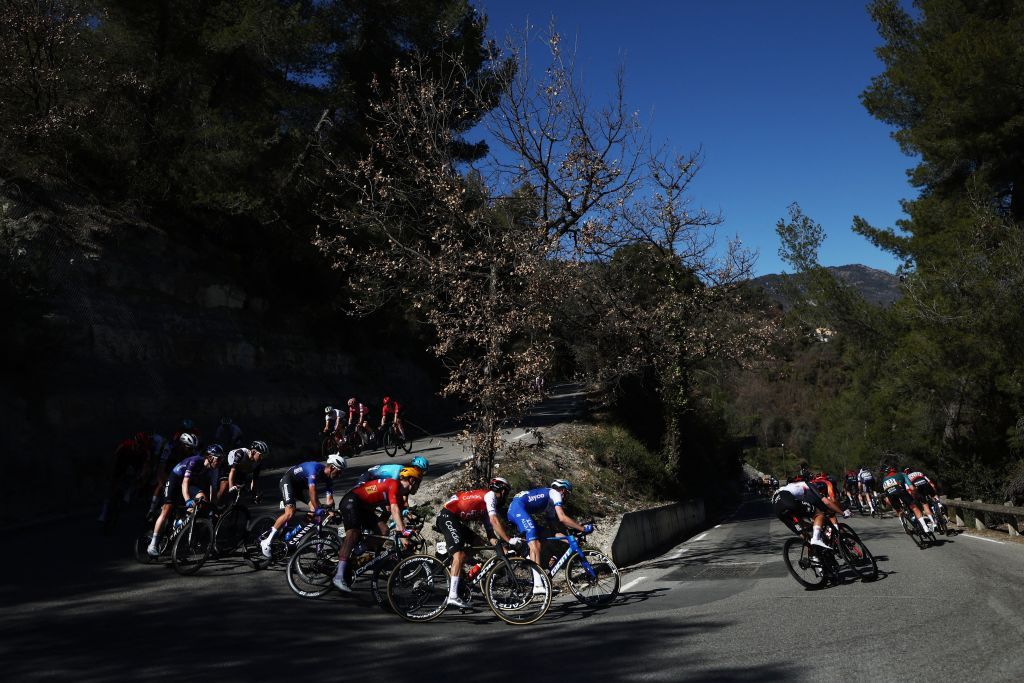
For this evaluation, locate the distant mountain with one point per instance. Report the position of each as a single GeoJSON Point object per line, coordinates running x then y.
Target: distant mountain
{"type": "Point", "coordinates": [876, 286]}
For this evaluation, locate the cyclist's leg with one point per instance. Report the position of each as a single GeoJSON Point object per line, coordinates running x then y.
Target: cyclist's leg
{"type": "Point", "coordinates": [352, 518]}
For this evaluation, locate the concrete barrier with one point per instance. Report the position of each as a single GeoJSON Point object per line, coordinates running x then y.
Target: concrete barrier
{"type": "Point", "coordinates": [645, 532]}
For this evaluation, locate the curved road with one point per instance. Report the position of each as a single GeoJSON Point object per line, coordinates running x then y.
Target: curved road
{"type": "Point", "coordinates": [720, 606]}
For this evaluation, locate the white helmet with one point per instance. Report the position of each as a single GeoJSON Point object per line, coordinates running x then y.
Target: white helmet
{"type": "Point", "coordinates": [335, 460]}
{"type": "Point", "coordinates": [188, 440]}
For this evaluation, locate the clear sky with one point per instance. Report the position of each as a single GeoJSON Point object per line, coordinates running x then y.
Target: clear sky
{"type": "Point", "coordinates": [768, 89]}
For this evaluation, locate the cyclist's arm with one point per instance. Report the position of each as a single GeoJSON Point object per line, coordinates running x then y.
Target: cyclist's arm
{"type": "Point", "coordinates": [312, 497]}
{"type": "Point", "coordinates": [566, 519]}
{"type": "Point", "coordinates": [833, 506]}
{"type": "Point", "coordinates": [499, 529]}
{"type": "Point", "coordinates": [184, 488]}
{"type": "Point", "coordinates": [396, 515]}
{"type": "Point", "coordinates": [231, 477]}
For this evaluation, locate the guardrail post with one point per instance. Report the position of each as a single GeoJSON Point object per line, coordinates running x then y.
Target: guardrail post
{"type": "Point", "coordinates": [954, 511]}
{"type": "Point", "coordinates": [979, 517]}
{"type": "Point", "coordinates": [1011, 523]}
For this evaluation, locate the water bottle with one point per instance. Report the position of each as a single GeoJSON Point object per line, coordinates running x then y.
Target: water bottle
{"type": "Point", "coordinates": [291, 532]}
{"type": "Point", "coordinates": [178, 523]}
{"type": "Point", "coordinates": [474, 570]}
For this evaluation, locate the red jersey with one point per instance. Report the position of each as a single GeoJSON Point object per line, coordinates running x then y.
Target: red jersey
{"type": "Point", "coordinates": [390, 408]}
{"type": "Point", "coordinates": [379, 491]}
{"type": "Point", "coordinates": [473, 505]}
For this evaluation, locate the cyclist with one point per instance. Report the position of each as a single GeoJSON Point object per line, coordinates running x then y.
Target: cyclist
{"type": "Point", "coordinates": [475, 505]}
{"type": "Point", "coordinates": [357, 512]}
{"type": "Point", "coordinates": [242, 463]}
{"type": "Point", "coordinates": [391, 408]}
{"type": "Point", "coordinates": [183, 486]}
{"type": "Point", "coordinates": [332, 420]}
{"type": "Point", "coordinates": [130, 456]}
{"type": "Point", "coordinates": [850, 486]}
{"type": "Point", "coordinates": [184, 445]}
{"type": "Point", "coordinates": [305, 476]}
{"type": "Point", "coordinates": [228, 434]}
{"type": "Point", "coordinates": [803, 499]}
{"type": "Point", "coordinates": [899, 490]}
{"type": "Point", "coordinates": [924, 491]}
{"type": "Point", "coordinates": [549, 501]}
{"type": "Point", "coordinates": [391, 471]}
{"type": "Point", "coordinates": [357, 415]}
{"type": "Point", "coordinates": [865, 484]}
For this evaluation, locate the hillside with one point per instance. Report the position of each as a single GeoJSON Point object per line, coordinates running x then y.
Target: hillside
{"type": "Point", "coordinates": [876, 286]}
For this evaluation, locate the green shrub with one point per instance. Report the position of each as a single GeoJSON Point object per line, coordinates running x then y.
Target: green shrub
{"type": "Point", "coordinates": [615, 448]}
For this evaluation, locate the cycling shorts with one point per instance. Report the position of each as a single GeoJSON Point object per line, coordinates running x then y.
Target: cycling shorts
{"type": "Point", "coordinates": [172, 490]}
{"type": "Point", "coordinates": [288, 487]}
{"type": "Point", "coordinates": [900, 498]}
{"type": "Point", "coordinates": [866, 486]}
{"type": "Point", "coordinates": [518, 515]}
{"type": "Point", "coordinates": [787, 507]}
{"type": "Point", "coordinates": [355, 514]}
{"type": "Point", "coordinates": [453, 529]}
{"type": "Point", "coordinates": [924, 490]}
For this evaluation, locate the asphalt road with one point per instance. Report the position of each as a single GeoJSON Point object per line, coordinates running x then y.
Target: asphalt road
{"type": "Point", "coordinates": [720, 606]}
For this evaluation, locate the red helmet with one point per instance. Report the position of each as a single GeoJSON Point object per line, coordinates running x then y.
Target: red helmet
{"type": "Point", "coordinates": [907, 470]}
{"type": "Point", "coordinates": [890, 470]}
{"type": "Point", "coordinates": [387, 399]}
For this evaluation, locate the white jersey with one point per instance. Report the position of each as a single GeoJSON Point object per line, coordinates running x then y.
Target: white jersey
{"type": "Point", "coordinates": [865, 475]}
{"type": "Point", "coordinates": [798, 489]}
{"type": "Point", "coordinates": [240, 458]}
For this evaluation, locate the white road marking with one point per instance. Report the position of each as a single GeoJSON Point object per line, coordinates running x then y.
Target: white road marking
{"type": "Point", "coordinates": [701, 537]}
{"type": "Point", "coordinates": [717, 525]}
{"type": "Point", "coordinates": [679, 554]}
{"type": "Point", "coordinates": [982, 538]}
{"type": "Point", "coordinates": [632, 583]}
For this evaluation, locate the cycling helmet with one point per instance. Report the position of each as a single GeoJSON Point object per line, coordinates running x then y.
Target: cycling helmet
{"type": "Point", "coordinates": [260, 446]}
{"type": "Point", "coordinates": [890, 470]}
{"type": "Point", "coordinates": [214, 450]}
{"type": "Point", "coordinates": [140, 437]}
{"type": "Point", "coordinates": [225, 421]}
{"type": "Point", "coordinates": [410, 473]}
{"type": "Point", "coordinates": [562, 484]}
{"type": "Point", "coordinates": [420, 462]}
{"type": "Point", "coordinates": [352, 401]}
{"type": "Point", "coordinates": [328, 409]}
{"type": "Point", "coordinates": [500, 485]}
{"type": "Point", "coordinates": [907, 470]}
{"type": "Point", "coordinates": [387, 399]}
{"type": "Point", "coordinates": [188, 440]}
{"type": "Point", "coordinates": [186, 424]}
{"type": "Point", "coordinates": [335, 460]}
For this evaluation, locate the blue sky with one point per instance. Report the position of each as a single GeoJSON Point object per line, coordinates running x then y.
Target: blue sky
{"type": "Point", "coordinates": [768, 89]}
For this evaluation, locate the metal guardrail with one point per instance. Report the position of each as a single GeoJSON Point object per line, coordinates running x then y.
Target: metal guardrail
{"type": "Point", "coordinates": [982, 511]}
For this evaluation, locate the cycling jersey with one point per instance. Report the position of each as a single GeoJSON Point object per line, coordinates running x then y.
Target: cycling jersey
{"type": "Point", "coordinates": [129, 454]}
{"type": "Point", "coordinates": [161, 448]}
{"type": "Point", "coordinates": [390, 409]}
{"type": "Point", "coordinates": [192, 467]}
{"type": "Point", "coordinates": [227, 435]}
{"type": "Point", "coordinates": [240, 458]}
{"type": "Point", "coordinates": [530, 502]}
{"type": "Point", "coordinates": [335, 415]}
{"type": "Point", "coordinates": [892, 483]}
{"type": "Point", "coordinates": [379, 492]}
{"type": "Point", "coordinates": [357, 410]}
{"type": "Point", "coordinates": [865, 476]}
{"type": "Point", "coordinates": [478, 504]}
{"type": "Point", "coordinates": [310, 474]}
{"type": "Point", "coordinates": [380, 472]}
{"type": "Point", "coordinates": [923, 486]}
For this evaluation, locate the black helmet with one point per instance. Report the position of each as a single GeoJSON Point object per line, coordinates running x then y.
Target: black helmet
{"type": "Point", "coordinates": [260, 446]}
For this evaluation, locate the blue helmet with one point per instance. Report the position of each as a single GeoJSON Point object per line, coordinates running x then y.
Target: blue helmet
{"type": "Point", "coordinates": [214, 450]}
{"type": "Point", "coordinates": [420, 463]}
{"type": "Point", "coordinates": [563, 484]}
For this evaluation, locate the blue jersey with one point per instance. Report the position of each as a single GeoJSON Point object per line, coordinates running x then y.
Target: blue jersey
{"type": "Point", "coordinates": [311, 474]}
{"type": "Point", "coordinates": [385, 471]}
{"type": "Point", "coordinates": [538, 500]}
{"type": "Point", "coordinates": [192, 467]}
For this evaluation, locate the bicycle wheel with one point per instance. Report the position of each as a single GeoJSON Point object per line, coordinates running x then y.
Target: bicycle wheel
{"type": "Point", "coordinates": [230, 530]}
{"type": "Point", "coordinates": [312, 567]}
{"type": "Point", "coordinates": [597, 586]}
{"type": "Point", "coordinates": [390, 443]}
{"type": "Point", "coordinates": [806, 569]}
{"type": "Point", "coordinates": [379, 583]}
{"type": "Point", "coordinates": [857, 554]}
{"type": "Point", "coordinates": [142, 547]}
{"type": "Point", "coordinates": [418, 588]}
{"type": "Point", "coordinates": [258, 530]}
{"type": "Point", "coordinates": [192, 546]}
{"type": "Point", "coordinates": [509, 591]}
{"type": "Point", "coordinates": [406, 444]}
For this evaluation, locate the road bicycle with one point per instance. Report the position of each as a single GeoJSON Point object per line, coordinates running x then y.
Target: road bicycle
{"type": "Point", "coordinates": [939, 515]}
{"type": "Point", "coordinates": [913, 529]}
{"type": "Point", "coordinates": [590, 575]}
{"type": "Point", "coordinates": [192, 545]}
{"type": "Point", "coordinates": [516, 589]}
{"type": "Point", "coordinates": [175, 523]}
{"type": "Point", "coordinates": [312, 567]}
{"type": "Point", "coordinates": [229, 533]}
{"type": "Point", "coordinates": [392, 438]}
{"type": "Point", "coordinates": [814, 567]}
{"type": "Point", "coordinates": [288, 538]}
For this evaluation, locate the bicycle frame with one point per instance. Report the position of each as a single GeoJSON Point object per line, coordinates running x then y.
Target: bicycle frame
{"type": "Point", "coordinates": [573, 549]}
